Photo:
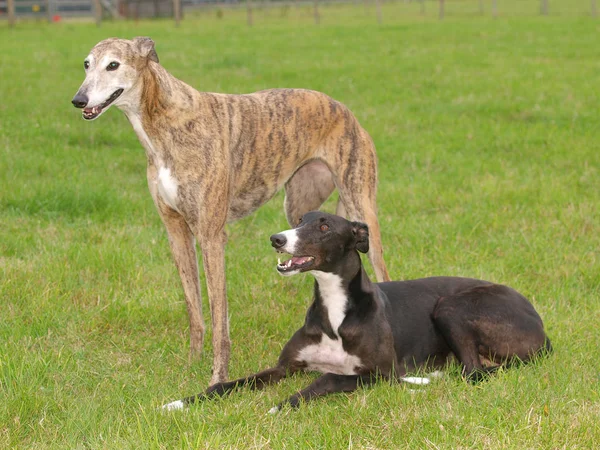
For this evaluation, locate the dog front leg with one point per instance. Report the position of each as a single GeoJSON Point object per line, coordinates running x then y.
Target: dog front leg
{"type": "Point", "coordinates": [213, 254]}
{"type": "Point", "coordinates": [257, 381]}
{"type": "Point", "coordinates": [183, 247]}
{"type": "Point", "coordinates": [329, 383]}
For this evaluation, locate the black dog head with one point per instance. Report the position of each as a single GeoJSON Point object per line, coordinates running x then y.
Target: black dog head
{"type": "Point", "coordinates": [320, 242]}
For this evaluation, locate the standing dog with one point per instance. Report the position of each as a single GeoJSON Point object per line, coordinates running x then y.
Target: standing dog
{"type": "Point", "coordinates": [214, 158]}
{"type": "Point", "coordinates": [356, 330]}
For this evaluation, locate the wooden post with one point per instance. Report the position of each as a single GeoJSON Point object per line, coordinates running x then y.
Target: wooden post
{"type": "Point", "coordinates": [11, 12]}
{"type": "Point", "coordinates": [441, 9]}
{"type": "Point", "coordinates": [594, 9]}
{"type": "Point", "coordinates": [495, 8]}
{"type": "Point", "coordinates": [378, 8]}
{"type": "Point", "coordinates": [316, 12]}
{"type": "Point", "coordinates": [544, 8]}
{"type": "Point", "coordinates": [177, 11]}
{"type": "Point", "coordinates": [97, 12]}
{"type": "Point", "coordinates": [249, 12]}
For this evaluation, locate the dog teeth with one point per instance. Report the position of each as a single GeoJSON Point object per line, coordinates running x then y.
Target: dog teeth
{"type": "Point", "coordinates": [278, 261]}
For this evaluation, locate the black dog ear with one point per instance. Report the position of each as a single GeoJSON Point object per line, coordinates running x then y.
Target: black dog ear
{"type": "Point", "coordinates": [361, 236]}
{"type": "Point", "coordinates": [145, 46]}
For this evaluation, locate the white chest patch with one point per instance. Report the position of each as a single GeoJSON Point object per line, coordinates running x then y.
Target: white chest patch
{"type": "Point", "coordinates": [328, 356]}
{"type": "Point", "coordinates": [333, 296]}
{"type": "Point", "coordinates": [167, 187]}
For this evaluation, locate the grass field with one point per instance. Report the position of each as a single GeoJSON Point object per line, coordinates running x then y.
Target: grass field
{"type": "Point", "coordinates": [489, 146]}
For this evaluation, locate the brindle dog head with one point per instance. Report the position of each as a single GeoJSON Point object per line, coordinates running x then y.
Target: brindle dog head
{"type": "Point", "coordinates": [321, 242]}
{"type": "Point", "coordinates": [112, 69]}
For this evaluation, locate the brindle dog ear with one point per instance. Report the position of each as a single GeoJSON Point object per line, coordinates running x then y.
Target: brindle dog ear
{"type": "Point", "coordinates": [145, 46]}
{"type": "Point", "coordinates": [361, 236]}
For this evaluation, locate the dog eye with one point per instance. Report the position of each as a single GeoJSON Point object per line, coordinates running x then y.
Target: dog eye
{"type": "Point", "coordinates": [324, 227]}
{"type": "Point", "coordinates": [86, 65]}
{"type": "Point", "coordinates": [112, 66]}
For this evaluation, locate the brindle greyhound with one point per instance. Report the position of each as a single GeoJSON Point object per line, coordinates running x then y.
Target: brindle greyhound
{"type": "Point", "coordinates": [356, 330]}
{"type": "Point", "coordinates": [214, 158]}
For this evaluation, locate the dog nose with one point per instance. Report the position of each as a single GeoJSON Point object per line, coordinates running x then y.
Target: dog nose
{"type": "Point", "coordinates": [278, 240]}
{"type": "Point", "coordinates": [80, 100]}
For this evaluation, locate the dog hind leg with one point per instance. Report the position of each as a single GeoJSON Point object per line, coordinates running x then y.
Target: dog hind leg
{"type": "Point", "coordinates": [493, 322]}
{"type": "Point", "coordinates": [357, 184]}
{"type": "Point", "coordinates": [307, 190]}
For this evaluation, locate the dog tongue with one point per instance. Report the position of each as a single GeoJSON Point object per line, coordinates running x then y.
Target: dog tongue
{"type": "Point", "coordinates": [297, 260]}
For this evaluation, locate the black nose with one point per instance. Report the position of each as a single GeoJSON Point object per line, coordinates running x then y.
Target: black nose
{"type": "Point", "coordinates": [278, 240]}
{"type": "Point", "coordinates": [80, 100]}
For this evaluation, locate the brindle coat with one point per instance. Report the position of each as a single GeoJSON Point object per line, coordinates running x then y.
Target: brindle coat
{"type": "Point", "coordinates": [214, 158]}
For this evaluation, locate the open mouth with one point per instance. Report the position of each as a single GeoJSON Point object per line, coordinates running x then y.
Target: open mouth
{"type": "Point", "coordinates": [92, 113]}
{"type": "Point", "coordinates": [295, 263]}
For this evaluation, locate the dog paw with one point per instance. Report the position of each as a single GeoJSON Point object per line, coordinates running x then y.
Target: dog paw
{"type": "Point", "coordinates": [174, 406]}
{"type": "Point", "coordinates": [416, 380]}
{"type": "Point", "coordinates": [274, 410]}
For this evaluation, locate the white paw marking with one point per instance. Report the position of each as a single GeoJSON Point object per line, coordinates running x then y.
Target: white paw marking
{"type": "Point", "coordinates": [273, 410]}
{"type": "Point", "coordinates": [416, 380]}
{"type": "Point", "coordinates": [174, 406]}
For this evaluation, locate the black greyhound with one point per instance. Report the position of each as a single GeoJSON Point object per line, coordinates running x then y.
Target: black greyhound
{"type": "Point", "coordinates": [356, 330]}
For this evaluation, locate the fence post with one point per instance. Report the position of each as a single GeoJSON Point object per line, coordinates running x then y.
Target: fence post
{"type": "Point", "coordinates": [11, 12]}
{"type": "Point", "coordinates": [378, 8]}
{"type": "Point", "coordinates": [544, 8]}
{"type": "Point", "coordinates": [249, 12]}
{"type": "Point", "coordinates": [494, 8]}
{"type": "Point", "coordinates": [441, 9]}
{"type": "Point", "coordinates": [316, 12]}
{"type": "Point", "coordinates": [422, 7]}
{"type": "Point", "coordinates": [97, 11]}
{"type": "Point", "coordinates": [481, 8]}
{"type": "Point", "coordinates": [594, 9]}
{"type": "Point", "coordinates": [177, 11]}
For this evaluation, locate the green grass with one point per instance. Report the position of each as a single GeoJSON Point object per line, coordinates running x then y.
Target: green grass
{"type": "Point", "coordinates": [489, 145]}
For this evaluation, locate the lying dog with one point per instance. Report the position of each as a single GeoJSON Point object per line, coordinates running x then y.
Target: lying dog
{"type": "Point", "coordinates": [356, 330]}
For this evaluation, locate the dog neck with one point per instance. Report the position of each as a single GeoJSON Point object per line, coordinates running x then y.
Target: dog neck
{"type": "Point", "coordinates": [157, 95]}
{"type": "Point", "coordinates": [151, 95]}
{"type": "Point", "coordinates": [336, 293]}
